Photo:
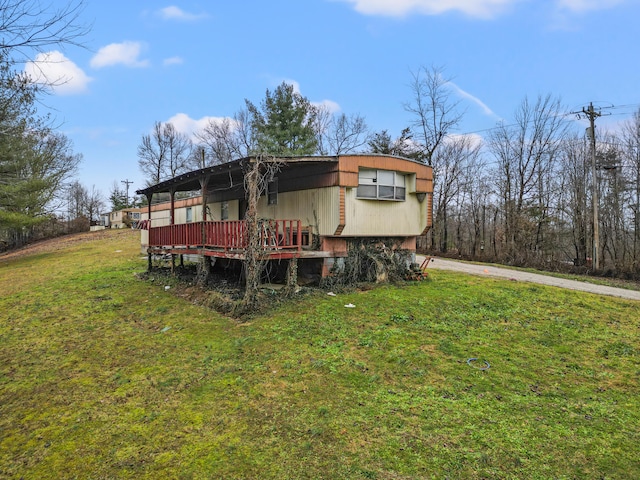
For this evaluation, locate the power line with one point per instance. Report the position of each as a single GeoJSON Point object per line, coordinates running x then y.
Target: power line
{"type": "Point", "coordinates": [634, 106]}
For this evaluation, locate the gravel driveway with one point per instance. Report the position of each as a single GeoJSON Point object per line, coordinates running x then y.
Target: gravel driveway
{"type": "Point", "coordinates": [490, 270]}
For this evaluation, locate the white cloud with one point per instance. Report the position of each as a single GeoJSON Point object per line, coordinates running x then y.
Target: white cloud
{"type": "Point", "coordinates": [172, 61]}
{"type": "Point", "coordinates": [175, 13]}
{"type": "Point", "coordinates": [466, 95]}
{"type": "Point", "coordinates": [473, 139]}
{"type": "Point", "coordinates": [567, 12]}
{"type": "Point", "coordinates": [125, 53]}
{"type": "Point", "coordinates": [399, 8]}
{"type": "Point", "coordinates": [54, 69]}
{"type": "Point", "coordinates": [293, 83]}
{"type": "Point", "coordinates": [580, 6]}
{"type": "Point", "coordinates": [330, 105]}
{"type": "Point", "coordinates": [190, 126]}
{"type": "Point", "coordinates": [474, 8]}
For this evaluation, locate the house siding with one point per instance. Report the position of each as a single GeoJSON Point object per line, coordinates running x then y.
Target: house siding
{"type": "Point", "coordinates": [316, 205]}
{"type": "Point", "coordinates": [384, 218]}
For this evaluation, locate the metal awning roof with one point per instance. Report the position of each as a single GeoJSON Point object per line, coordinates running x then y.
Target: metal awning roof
{"type": "Point", "coordinates": [231, 174]}
{"type": "Point", "coordinates": [191, 181]}
{"type": "Point", "coordinates": [228, 174]}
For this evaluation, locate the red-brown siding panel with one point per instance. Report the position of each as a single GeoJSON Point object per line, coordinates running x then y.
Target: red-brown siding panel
{"type": "Point", "coordinates": [349, 166]}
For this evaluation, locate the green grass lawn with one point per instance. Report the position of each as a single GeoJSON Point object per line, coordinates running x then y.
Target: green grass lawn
{"type": "Point", "coordinates": [104, 376]}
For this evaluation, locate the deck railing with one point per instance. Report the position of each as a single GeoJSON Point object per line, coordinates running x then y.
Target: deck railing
{"type": "Point", "coordinates": [230, 235]}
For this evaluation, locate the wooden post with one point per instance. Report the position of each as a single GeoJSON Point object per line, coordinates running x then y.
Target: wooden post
{"type": "Point", "coordinates": [204, 270]}
{"type": "Point", "coordinates": [171, 222]}
{"type": "Point", "coordinates": [149, 263]}
{"type": "Point", "coordinates": [203, 189]}
{"type": "Point", "coordinates": [206, 261]}
{"type": "Point", "coordinates": [172, 207]}
{"type": "Point", "coordinates": [292, 275]}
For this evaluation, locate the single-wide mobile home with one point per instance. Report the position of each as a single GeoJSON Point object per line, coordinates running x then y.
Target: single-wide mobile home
{"type": "Point", "coordinates": [313, 208]}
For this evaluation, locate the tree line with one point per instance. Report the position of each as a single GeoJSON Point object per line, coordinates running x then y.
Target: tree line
{"type": "Point", "coordinates": [37, 162]}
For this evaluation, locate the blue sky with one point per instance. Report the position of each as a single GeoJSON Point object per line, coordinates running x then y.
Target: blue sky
{"type": "Point", "coordinates": [188, 61]}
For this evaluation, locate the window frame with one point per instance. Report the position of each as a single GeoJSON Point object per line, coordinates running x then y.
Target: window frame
{"type": "Point", "coordinates": [386, 189]}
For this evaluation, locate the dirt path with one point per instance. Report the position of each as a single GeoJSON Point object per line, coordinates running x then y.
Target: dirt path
{"type": "Point", "coordinates": [492, 271]}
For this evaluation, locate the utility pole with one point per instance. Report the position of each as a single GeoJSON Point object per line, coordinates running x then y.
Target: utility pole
{"type": "Point", "coordinates": [482, 242]}
{"type": "Point", "coordinates": [127, 182]}
{"type": "Point", "coordinates": [592, 115]}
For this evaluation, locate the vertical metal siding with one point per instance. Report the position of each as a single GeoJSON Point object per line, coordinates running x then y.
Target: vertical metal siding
{"type": "Point", "coordinates": [316, 204]}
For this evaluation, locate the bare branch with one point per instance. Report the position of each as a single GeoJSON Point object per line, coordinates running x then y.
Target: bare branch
{"type": "Point", "coordinates": [435, 114]}
{"type": "Point", "coordinates": [27, 25]}
{"type": "Point", "coordinates": [164, 153]}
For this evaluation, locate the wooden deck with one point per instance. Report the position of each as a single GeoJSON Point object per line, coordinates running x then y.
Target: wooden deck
{"type": "Point", "coordinates": [229, 239]}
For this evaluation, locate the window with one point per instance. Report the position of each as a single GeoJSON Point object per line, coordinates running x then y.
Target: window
{"type": "Point", "coordinates": [381, 185]}
{"type": "Point", "coordinates": [224, 211]}
{"type": "Point", "coordinates": [189, 215]}
{"type": "Point", "coordinates": [272, 192]}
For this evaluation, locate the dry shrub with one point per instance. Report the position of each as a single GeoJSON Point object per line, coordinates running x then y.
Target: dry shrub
{"type": "Point", "coordinates": [372, 260]}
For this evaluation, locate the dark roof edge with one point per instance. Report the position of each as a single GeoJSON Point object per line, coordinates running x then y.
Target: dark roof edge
{"type": "Point", "coordinates": [236, 165]}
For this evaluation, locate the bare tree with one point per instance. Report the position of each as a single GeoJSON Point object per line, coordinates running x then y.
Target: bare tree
{"type": "Point", "coordinates": [164, 153]}
{"type": "Point", "coordinates": [218, 139]}
{"type": "Point", "coordinates": [178, 149]}
{"type": "Point", "coordinates": [27, 25]}
{"type": "Point", "coordinates": [613, 195]}
{"type": "Point", "coordinates": [435, 114]}
{"type": "Point", "coordinates": [152, 155]}
{"type": "Point", "coordinates": [525, 153]}
{"type": "Point", "coordinates": [94, 204]}
{"type": "Point", "coordinates": [84, 202]}
{"type": "Point", "coordinates": [451, 166]}
{"type": "Point", "coordinates": [574, 195]}
{"type": "Point", "coordinates": [630, 138]}
{"type": "Point", "coordinates": [321, 124]}
{"type": "Point", "coordinates": [224, 140]}
{"type": "Point", "coordinates": [340, 134]}
{"type": "Point", "coordinates": [243, 133]}
{"type": "Point", "coordinates": [479, 196]}
{"type": "Point", "coordinates": [77, 198]}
